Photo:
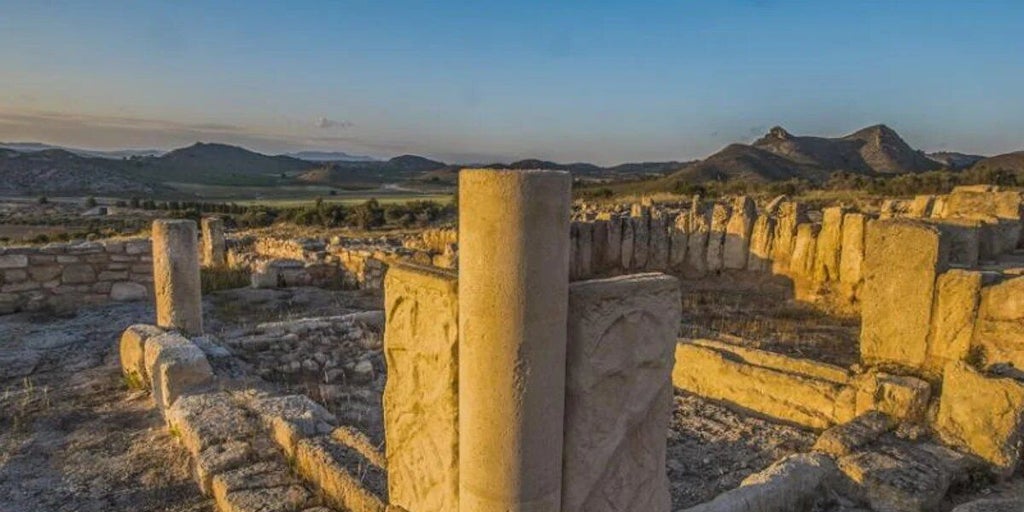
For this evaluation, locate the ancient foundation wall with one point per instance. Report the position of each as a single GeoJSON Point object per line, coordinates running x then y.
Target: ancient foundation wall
{"type": "Point", "coordinates": [69, 275]}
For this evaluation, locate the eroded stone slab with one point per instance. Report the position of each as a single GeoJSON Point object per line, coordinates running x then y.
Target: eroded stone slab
{"type": "Point", "coordinates": [984, 415]}
{"type": "Point", "coordinates": [902, 260]}
{"type": "Point", "coordinates": [421, 395]}
{"type": "Point", "coordinates": [622, 334]}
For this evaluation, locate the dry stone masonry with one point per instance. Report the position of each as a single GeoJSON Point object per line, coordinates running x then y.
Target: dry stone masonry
{"type": "Point", "coordinates": [67, 275]}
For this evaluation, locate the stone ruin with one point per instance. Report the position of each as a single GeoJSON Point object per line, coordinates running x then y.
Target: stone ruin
{"type": "Point", "coordinates": [539, 375]}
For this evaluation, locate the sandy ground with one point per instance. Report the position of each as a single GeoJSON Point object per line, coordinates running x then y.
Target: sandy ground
{"type": "Point", "coordinates": [69, 438]}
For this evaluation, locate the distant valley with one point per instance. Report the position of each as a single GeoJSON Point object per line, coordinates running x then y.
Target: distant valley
{"type": "Point", "coordinates": [28, 169]}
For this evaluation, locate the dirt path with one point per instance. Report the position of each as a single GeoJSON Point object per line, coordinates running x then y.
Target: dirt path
{"type": "Point", "coordinates": [70, 440]}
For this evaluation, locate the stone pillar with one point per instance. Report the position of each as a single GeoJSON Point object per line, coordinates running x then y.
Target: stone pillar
{"type": "Point", "coordinates": [214, 252]}
{"type": "Point", "coordinates": [720, 214]}
{"type": "Point", "coordinates": [829, 246]}
{"type": "Point", "coordinates": [513, 309]}
{"type": "Point", "coordinates": [179, 300]}
{"type": "Point", "coordinates": [736, 247]}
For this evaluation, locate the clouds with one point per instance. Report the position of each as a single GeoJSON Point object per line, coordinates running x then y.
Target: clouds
{"type": "Point", "coordinates": [325, 124]}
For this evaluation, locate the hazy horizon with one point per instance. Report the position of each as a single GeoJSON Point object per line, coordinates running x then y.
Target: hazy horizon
{"type": "Point", "coordinates": [603, 82]}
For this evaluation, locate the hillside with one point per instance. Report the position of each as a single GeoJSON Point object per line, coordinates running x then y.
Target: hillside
{"type": "Point", "coordinates": [400, 168]}
{"type": "Point", "coordinates": [780, 155]}
{"type": "Point", "coordinates": [1012, 162]}
{"type": "Point", "coordinates": [954, 160]}
{"type": "Point", "coordinates": [875, 149]}
{"type": "Point", "coordinates": [57, 172]}
{"type": "Point", "coordinates": [746, 163]}
{"type": "Point", "coordinates": [216, 164]}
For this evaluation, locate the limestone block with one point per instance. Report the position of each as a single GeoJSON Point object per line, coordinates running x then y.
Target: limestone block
{"type": "Point", "coordinates": [971, 203]}
{"type": "Point", "coordinates": [790, 216]}
{"type": "Point", "coordinates": [679, 240]}
{"type": "Point", "coordinates": [214, 249]}
{"type": "Point", "coordinates": [221, 458]}
{"type": "Point", "coordinates": [736, 247]}
{"type": "Point", "coordinates": [902, 260]}
{"type": "Point", "coordinates": [697, 244]}
{"type": "Point", "coordinates": [921, 207]}
{"type": "Point", "coordinates": [176, 274]}
{"type": "Point", "coordinates": [901, 397]}
{"type": "Point", "coordinates": [13, 261]}
{"type": "Point", "coordinates": [844, 439]}
{"type": "Point", "coordinates": [584, 250]}
{"type": "Point", "coordinates": [761, 239]}
{"type": "Point", "coordinates": [175, 366]}
{"type": "Point", "coordinates": [613, 244]}
{"type": "Point", "coordinates": [641, 238]}
{"type": "Point", "coordinates": [984, 415]}
{"type": "Point", "coordinates": [828, 249]}
{"type": "Point", "coordinates": [204, 420]}
{"type": "Point", "coordinates": [851, 261]}
{"type": "Point", "coordinates": [132, 348]}
{"type": "Point", "coordinates": [326, 465]}
{"type": "Point", "coordinates": [45, 273]}
{"type": "Point", "coordinates": [957, 295]}
{"type": "Point", "coordinates": [901, 477]}
{"type": "Point", "coordinates": [421, 395]}
{"type": "Point", "coordinates": [658, 254]}
{"type": "Point", "coordinates": [80, 273]}
{"type": "Point", "coordinates": [805, 247]}
{"type": "Point", "coordinates": [797, 482]}
{"type": "Point", "coordinates": [600, 246]}
{"type": "Point", "coordinates": [622, 334]}
{"type": "Point", "coordinates": [790, 396]}
{"type": "Point", "coordinates": [964, 238]}
{"type": "Point", "coordinates": [292, 418]}
{"type": "Point", "coordinates": [627, 244]}
{"type": "Point", "coordinates": [999, 330]}
{"type": "Point", "coordinates": [128, 291]}
{"type": "Point", "coordinates": [264, 486]}
{"type": "Point", "coordinates": [720, 215]}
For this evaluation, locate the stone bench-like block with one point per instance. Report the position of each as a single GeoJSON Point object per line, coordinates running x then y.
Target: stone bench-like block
{"type": "Point", "coordinates": [132, 348]}
{"type": "Point", "coordinates": [175, 366]}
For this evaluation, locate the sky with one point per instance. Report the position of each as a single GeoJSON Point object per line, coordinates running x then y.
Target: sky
{"type": "Point", "coordinates": [482, 81]}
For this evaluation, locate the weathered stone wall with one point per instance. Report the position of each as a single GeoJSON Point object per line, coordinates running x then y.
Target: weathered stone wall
{"type": "Point", "coordinates": [68, 275]}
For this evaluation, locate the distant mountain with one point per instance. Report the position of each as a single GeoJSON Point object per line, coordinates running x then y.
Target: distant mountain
{"type": "Point", "coordinates": [29, 147]}
{"type": "Point", "coordinates": [746, 163]}
{"type": "Point", "coordinates": [1012, 162]}
{"type": "Point", "coordinates": [875, 149]}
{"type": "Point", "coordinates": [329, 156]}
{"type": "Point", "coordinates": [780, 155]}
{"type": "Point", "coordinates": [954, 160]}
{"type": "Point", "coordinates": [56, 171]}
{"type": "Point", "coordinates": [217, 164]}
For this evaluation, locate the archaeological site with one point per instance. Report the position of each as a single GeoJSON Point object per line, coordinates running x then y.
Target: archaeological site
{"type": "Point", "coordinates": [539, 354]}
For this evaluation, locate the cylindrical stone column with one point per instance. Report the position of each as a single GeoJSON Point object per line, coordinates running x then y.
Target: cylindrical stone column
{"type": "Point", "coordinates": [513, 303]}
{"type": "Point", "coordinates": [176, 276]}
{"type": "Point", "coordinates": [214, 252]}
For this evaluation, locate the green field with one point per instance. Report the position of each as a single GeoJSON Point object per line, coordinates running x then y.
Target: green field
{"type": "Point", "coordinates": [347, 200]}
{"type": "Point", "coordinates": [299, 195]}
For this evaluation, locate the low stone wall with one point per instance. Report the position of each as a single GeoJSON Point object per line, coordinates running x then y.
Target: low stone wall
{"type": "Point", "coordinates": [72, 274]}
{"type": "Point", "coordinates": [251, 450]}
{"type": "Point", "coordinates": [798, 391]}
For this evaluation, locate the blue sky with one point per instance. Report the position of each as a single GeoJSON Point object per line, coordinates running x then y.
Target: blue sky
{"type": "Point", "coordinates": [467, 81]}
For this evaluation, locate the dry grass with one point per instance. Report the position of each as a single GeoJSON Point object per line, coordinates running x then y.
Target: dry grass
{"type": "Point", "coordinates": [768, 319]}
